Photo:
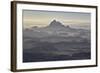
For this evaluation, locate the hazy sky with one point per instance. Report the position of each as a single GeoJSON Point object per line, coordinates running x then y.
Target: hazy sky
{"type": "Point", "coordinates": [43, 18]}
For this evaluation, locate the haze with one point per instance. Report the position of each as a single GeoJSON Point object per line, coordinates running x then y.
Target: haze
{"type": "Point", "coordinates": [33, 18]}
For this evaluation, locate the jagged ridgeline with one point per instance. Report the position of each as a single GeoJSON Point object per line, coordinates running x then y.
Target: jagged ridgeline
{"type": "Point", "coordinates": [55, 23]}
{"type": "Point", "coordinates": [55, 42]}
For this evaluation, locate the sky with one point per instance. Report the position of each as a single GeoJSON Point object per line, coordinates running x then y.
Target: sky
{"type": "Point", "coordinates": [38, 18]}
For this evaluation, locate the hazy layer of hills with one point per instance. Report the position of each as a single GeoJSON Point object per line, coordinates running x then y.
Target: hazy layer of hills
{"type": "Point", "coordinates": [55, 42]}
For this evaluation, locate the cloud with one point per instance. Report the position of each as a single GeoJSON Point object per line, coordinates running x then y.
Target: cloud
{"type": "Point", "coordinates": [43, 18]}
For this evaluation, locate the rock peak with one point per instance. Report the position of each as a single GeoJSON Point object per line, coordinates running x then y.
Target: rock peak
{"type": "Point", "coordinates": [56, 23]}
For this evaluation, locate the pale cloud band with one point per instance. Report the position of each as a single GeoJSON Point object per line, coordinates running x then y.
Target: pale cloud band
{"type": "Point", "coordinates": [43, 18]}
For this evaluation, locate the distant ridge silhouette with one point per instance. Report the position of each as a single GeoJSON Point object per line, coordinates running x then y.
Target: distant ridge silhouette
{"type": "Point", "coordinates": [55, 23]}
